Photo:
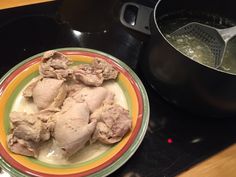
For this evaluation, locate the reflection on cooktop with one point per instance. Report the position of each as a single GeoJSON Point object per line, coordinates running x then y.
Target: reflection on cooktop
{"type": "Point", "coordinates": [175, 139]}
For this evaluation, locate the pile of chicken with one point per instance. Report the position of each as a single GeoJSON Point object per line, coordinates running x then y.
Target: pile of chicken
{"type": "Point", "coordinates": [74, 108]}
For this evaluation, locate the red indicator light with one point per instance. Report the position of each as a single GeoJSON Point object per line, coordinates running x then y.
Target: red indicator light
{"type": "Point", "coordinates": [169, 140]}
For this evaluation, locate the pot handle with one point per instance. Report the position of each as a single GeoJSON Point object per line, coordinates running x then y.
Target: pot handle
{"type": "Point", "coordinates": [136, 16]}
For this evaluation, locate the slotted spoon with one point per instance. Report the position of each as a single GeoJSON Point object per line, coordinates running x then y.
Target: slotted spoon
{"type": "Point", "coordinates": [215, 38]}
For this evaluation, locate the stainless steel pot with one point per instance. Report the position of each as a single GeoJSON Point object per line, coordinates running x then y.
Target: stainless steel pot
{"type": "Point", "coordinates": [179, 79]}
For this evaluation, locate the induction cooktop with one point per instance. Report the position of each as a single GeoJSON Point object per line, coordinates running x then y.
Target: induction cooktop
{"type": "Point", "coordinates": [176, 140]}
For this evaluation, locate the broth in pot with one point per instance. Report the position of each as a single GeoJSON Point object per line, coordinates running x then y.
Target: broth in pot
{"type": "Point", "coordinates": [196, 49]}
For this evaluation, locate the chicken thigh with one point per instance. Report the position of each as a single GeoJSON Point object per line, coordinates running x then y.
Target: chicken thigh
{"type": "Point", "coordinates": [28, 130]}
{"type": "Point", "coordinates": [94, 97]}
{"type": "Point", "coordinates": [20, 146]}
{"type": "Point", "coordinates": [72, 129]}
{"type": "Point", "coordinates": [113, 122]}
{"type": "Point", "coordinates": [95, 73]}
{"type": "Point", "coordinates": [55, 65]}
{"type": "Point", "coordinates": [48, 92]}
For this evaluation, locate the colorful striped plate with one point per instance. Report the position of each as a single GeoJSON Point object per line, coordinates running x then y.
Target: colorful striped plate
{"type": "Point", "coordinates": [15, 80]}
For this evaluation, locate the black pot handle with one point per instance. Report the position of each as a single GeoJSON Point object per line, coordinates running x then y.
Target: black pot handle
{"type": "Point", "coordinates": [136, 16]}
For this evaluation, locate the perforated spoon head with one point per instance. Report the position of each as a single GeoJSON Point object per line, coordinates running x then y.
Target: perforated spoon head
{"type": "Point", "coordinates": [207, 34]}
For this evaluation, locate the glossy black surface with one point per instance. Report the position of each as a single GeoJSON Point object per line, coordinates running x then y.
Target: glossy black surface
{"type": "Point", "coordinates": [175, 140]}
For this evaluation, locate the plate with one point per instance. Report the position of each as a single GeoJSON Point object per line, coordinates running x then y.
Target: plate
{"type": "Point", "coordinates": [104, 164]}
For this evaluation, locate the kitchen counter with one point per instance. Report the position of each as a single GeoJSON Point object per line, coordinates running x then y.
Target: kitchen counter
{"type": "Point", "coordinates": [177, 143]}
{"type": "Point", "coordinates": [5, 4]}
{"type": "Point", "coordinates": [219, 165]}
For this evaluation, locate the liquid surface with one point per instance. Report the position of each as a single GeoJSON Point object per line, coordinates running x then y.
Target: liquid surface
{"type": "Point", "coordinates": [193, 48]}
{"type": "Point", "coordinates": [196, 49]}
{"type": "Point", "coordinates": [50, 153]}
{"type": "Point", "coordinates": [229, 61]}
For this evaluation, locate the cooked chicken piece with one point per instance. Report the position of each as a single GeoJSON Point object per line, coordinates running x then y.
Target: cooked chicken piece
{"type": "Point", "coordinates": [28, 92]}
{"type": "Point", "coordinates": [94, 97]}
{"type": "Point", "coordinates": [94, 74]}
{"type": "Point", "coordinates": [113, 123]}
{"type": "Point", "coordinates": [65, 104]}
{"type": "Point", "coordinates": [49, 92]}
{"type": "Point", "coordinates": [86, 74]}
{"type": "Point", "coordinates": [46, 115]}
{"type": "Point", "coordinates": [73, 86]}
{"type": "Point", "coordinates": [55, 65]}
{"type": "Point", "coordinates": [29, 127]}
{"type": "Point", "coordinates": [108, 72]}
{"type": "Point", "coordinates": [20, 146]}
{"type": "Point", "coordinates": [72, 129]}
{"type": "Point", "coordinates": [56, 59]}
{"type": "Point", "coordinates": [28, 130]}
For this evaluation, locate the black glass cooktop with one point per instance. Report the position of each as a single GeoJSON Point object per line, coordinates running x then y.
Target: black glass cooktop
{"type": "Point", "coordinates": [175, 140]}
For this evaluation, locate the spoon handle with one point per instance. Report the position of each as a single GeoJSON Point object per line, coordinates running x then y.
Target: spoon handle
{"type": "Point", "coordinates": [227, 33]}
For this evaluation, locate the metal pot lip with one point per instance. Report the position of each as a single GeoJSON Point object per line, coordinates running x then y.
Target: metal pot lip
{"type": "Point", "coordinates": [158, 29]}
